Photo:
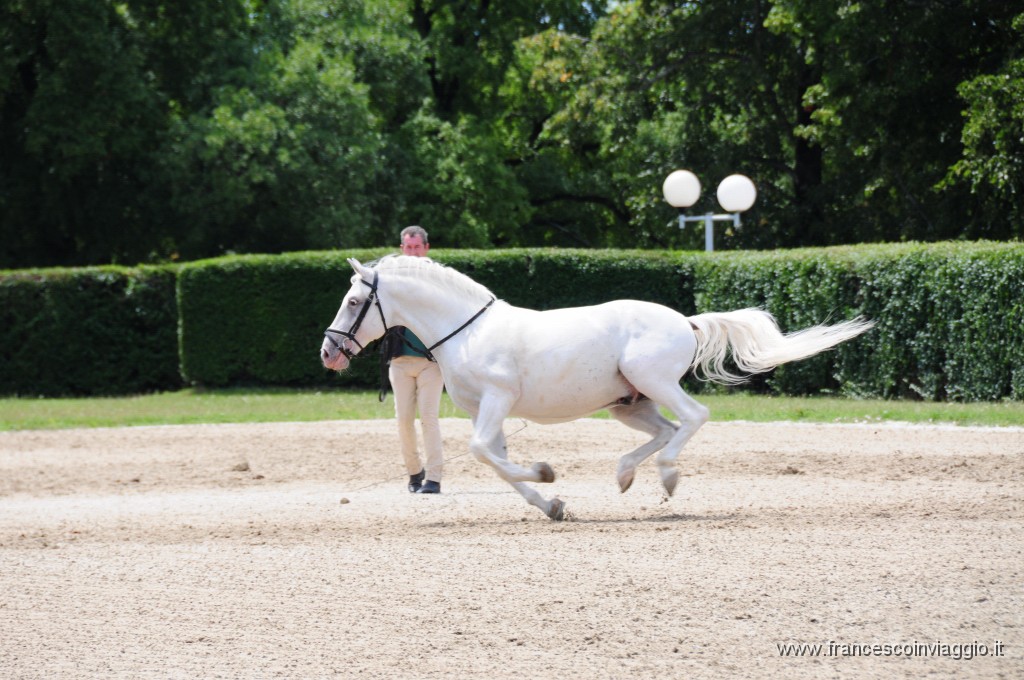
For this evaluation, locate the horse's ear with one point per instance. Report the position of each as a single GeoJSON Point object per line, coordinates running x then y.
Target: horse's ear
{"type": "Point", "coordinates": [358, 267]}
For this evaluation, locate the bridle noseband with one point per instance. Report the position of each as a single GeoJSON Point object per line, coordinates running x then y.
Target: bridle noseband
{"type": "Point", "coordinates": [374, 298]}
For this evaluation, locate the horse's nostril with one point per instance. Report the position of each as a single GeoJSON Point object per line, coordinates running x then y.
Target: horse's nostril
{"type": "Point", "coordinates": [324, 354]}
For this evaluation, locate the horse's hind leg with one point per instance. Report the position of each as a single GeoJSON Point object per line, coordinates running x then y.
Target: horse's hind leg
{"type": "Point", "coordinates": [644, 416]}
{"type": "Point", "coordinates": [691, 415]}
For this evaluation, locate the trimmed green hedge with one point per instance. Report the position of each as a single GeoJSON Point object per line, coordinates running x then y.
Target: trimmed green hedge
{"type": "Point", "coordinates": [259, 319]}
{"type": "Point", "coordinates": [94, 331]}
{"type": "Point", "coordinates": [950, 316]}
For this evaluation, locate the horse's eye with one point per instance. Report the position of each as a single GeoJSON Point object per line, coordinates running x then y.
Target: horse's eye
{"type": "Point", "coordinates": [353, 302]}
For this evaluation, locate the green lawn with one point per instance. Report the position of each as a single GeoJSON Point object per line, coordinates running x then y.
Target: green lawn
{"type": "Point", "coordinates": [267, 405]}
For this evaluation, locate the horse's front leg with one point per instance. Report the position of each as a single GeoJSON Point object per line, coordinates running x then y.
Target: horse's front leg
{"type": "Point", "coordinates": [488, 446]}
{"type": "Point", "coordinates": [554, 508]}
{"type": "Point", "coordinates": [485, 447]}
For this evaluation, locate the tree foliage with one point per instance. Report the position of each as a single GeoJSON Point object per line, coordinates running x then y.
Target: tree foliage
{"type": "Point", "coordinates": [993, 137]}
{"type": "Point", "coordinates": [146, 131]}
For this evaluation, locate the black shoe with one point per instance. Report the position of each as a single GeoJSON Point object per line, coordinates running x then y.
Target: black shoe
{"type": "Point", "coordinates": [416, 481]}
{"type": "Point", "coordinates": [430, 487]}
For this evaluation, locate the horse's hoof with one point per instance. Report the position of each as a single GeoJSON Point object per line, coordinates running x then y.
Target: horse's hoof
{"type": "Point", "coordinates": [669, 478]}
{"type": "Point", "coordinates": [557, 511]}
{"type": "Point", "coordinates": [547, 475]}
{"type": "Point", "coordinates": [626, 479]}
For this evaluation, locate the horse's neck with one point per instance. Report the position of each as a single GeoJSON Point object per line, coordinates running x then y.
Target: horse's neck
{"type": "Point", "coordinates": [427, 308]}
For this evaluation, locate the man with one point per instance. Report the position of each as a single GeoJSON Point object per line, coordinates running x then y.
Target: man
{"type": "Point", "coordinates": [417, 382]}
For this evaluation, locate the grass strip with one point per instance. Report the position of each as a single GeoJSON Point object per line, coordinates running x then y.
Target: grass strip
{"type": "Point", "coordinates": [294, 405]}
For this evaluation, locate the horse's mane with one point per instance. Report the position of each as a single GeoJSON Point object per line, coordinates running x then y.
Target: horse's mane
{"type": "Point", "coordinates": [425, 268]}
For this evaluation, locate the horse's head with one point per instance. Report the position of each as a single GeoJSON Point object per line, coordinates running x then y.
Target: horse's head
{"type": "Point", "coordinates": [359, 321]}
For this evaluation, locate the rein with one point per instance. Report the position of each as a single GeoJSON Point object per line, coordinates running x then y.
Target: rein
{"type": "Point", "coordinates": [374, 298]}
{"type": "Point", "coordinates": [458, 330]}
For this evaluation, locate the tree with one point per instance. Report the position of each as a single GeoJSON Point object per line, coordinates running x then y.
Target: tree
{"type": "Point", "coordinates": [147, 130]}
{"type": "Point", "coordinates": [469, 43]}
{"type": "Point", "coordinates": [78, 123]}
{"type": "Point", "coordinates": [658, 87]}
{"type": "Point", "coordinates": [846, 115]}
{"type": "Point", "coordinates": [886, 109]}
{"type": "Point", "coordinates": [455, 182]}
{"type": "Point", "coordinates": [993, 137]}
{"type": "Point", "coordinates": [286, 165]}
{"type": "Point", "coordinates": [553, 150]}
{"type": "Point", "coordinates": [468, 182]}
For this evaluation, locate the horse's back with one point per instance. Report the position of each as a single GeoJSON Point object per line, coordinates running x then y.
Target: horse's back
{"type": "Point", "coordinates": [610, 325]}
{"type": "Point", "coordinates": [607, 315]}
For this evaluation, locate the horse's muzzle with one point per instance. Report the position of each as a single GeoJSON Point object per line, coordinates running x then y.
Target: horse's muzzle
{"type": "Point", "coordinates": [333, 359]}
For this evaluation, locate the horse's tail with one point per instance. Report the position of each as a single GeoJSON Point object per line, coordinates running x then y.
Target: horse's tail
{"type": "Point", "coordinates": [757, 344]}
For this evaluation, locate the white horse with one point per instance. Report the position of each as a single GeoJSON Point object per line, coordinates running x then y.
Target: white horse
{"type": "Point", "coordinates": [626, 356]}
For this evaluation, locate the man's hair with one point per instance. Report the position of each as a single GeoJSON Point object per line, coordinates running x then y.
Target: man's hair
{"type": "Point", "coordinates": [415, 231]}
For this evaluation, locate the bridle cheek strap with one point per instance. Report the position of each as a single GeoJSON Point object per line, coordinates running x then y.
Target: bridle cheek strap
{"type": "Point", "coordinates": [350, 334]}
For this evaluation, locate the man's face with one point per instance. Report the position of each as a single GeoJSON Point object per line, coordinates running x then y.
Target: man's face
{"type": "Point", "coordinates": [414, 245]}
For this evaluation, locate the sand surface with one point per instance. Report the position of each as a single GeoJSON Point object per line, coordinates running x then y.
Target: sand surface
{"type": "Point", "coordinates": [294, 551]}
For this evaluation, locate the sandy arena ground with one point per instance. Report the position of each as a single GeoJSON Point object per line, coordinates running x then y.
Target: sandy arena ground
{"type": "Point", "coordinates": [293, 550]}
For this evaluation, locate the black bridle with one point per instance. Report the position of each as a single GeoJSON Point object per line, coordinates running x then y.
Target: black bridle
{"type": "Point", "coordinates": [350, 334]}
{"type": "Point", "coordinates": [374, 299]}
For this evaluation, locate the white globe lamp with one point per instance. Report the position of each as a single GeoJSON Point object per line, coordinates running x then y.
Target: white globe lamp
{"type": "Point", "coordinates": [681, 189]}
{"type": "Point", "coordinates": [737, 193]}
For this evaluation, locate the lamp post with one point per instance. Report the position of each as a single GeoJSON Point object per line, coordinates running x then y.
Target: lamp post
{"type": "Point", "coordinates": [736, 193]}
